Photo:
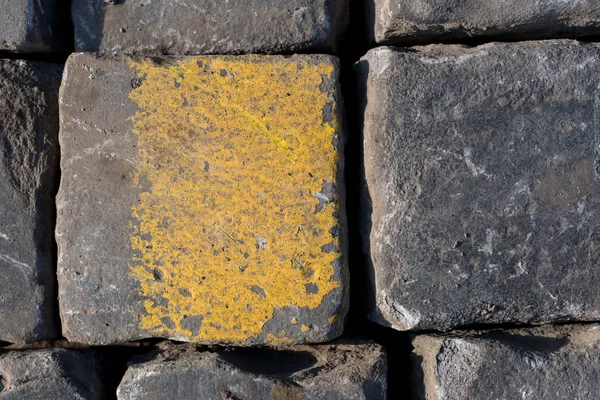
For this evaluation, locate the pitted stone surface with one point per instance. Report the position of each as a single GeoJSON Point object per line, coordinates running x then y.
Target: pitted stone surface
{"type": "Point", "coordinates": [29, 26]}
{"type": "Point", "coordinates": [50, 374]}
{"type": "Point", "coordinates": [350, 371]}
{"type": "Point", "coordinates": [208, 26]}
{"type": "Point", "coordinates": [482, 169]}
{"type": "Point", "coordinates": [541, 363]}
{"type": "Point", "coordinates": [28, 167]}
{"type": "Point", "coordinates": [201, 199]}
{"type": "Point", "coordinates": [420, 21]}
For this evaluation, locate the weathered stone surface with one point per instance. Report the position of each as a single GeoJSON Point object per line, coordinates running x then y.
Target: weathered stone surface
{"type": "Point", "coordinates": [482, 168]}
{"type": "Point", "coordinates": [28, 167]}
{"type": "Point", "coordinates": [201, 199]}
{"type": "Point", "coordinates": [28, 26]}
{"type": "Point", "coordinates": [50, 374]}
{"type": "Point", "coordinates": [419, 21]}
{"type": "Point", "coordinates": [332, 371]}
{"type": "Point", "coordinates": [549, 363]}
{"type": "Point", "coordinates": [208, 26]}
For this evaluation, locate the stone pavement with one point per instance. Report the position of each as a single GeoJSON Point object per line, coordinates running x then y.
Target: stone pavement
{"type": "Point", "coordinates": [329, 199]}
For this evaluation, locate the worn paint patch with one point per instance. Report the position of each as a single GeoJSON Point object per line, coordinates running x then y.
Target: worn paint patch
{"type": "Point", "coordinates": [232, 222]}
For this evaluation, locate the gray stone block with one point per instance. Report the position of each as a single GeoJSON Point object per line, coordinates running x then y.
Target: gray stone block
{"type": "Point", "coordinates": [208, 26]}
{"type": "Point", "coordinates": [29, 26]}
{"type": "Point", "coordinates": [482, 169]}
{"type": "Point", "coordinates": [201, 199]}
{"type": "Point", "coordinates": [549, 363]}
{"type": "Point", "coordinates": [50, 374]}
{"type": "Point", "coordinates": [332, 371]}
{"type": "Point", "coordinates": [28, 167]}
{"type": "Point", "coordinates": [419, 21]}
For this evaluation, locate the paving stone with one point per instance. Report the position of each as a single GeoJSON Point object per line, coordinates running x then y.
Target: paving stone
{"type": "Point", "coordinates": [419, 21]}
{"type": "Point", "coordinates": [28, 167]}
{"type": "Point", "coordinates": [332, 371]}
{"type": "Point", "coordinates": [208, 26]}
{"type": "Point", "coordinates": [201, 199]}
{"type": "Point", "coordinates": [482, 169]}
{"type": "Point", "coordinates": [537, 363]}
{"type": "Point", "coordinates": [50, 374]}
{"type": "Point", "coordinates": [29, 26]}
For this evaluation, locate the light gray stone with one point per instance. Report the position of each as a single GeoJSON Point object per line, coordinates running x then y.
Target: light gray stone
{"type": "Point", "coordinates": [548, 363]}
{"type": "Point", "coordinates": [112, 289]}
{"type": "Point", "coordinates": [427, 21]}
{"type": "Point", "coordinates": [483, 173]}
{"type": "Point", "coordinates": [50, 374]}
{"type": "Point", "coordinates": [28, 167]}
{"type": "Point", "coordinates": [208, 26]}
{"type": "Point", "coordinates": [348, 371]}
{"type": "Point", "coordinates": [29, 26]}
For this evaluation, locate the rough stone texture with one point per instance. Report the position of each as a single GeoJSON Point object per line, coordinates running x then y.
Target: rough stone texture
{"type": "Point", "coordinates": [28, 167]}
{"type": "Point", "coordinates": [50, 374]}
{"type": "Point", "coordinates": [420, 21]}
{"type": "Point", "coordinates": [333, 371]}
{"type": "Point", "coordinates": [201, 199]}
{"type": "Point", "coordinates": [28, 26]}
{"type": "Point", "coordinates": [549, 363]}
{"type": "Point", "coordinates": [208, 26]}
{"type": "Point", "coordinates": [482, 169]}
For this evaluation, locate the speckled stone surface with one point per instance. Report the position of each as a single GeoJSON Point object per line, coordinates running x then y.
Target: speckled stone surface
{"type": "Point", "coordinates": [208, 26]}
{"type": "Point", "coordinates": [482, 170]}
{"type": "Point", "coordinates": [29, 26]}
{"type": "Point", "coordinates": [338, 371]}
{"type": "Point", "coordinates": [28, 168]}
{"type": "Point", "coordinates": [202, 199]}
{"type": "Point", "coordinates": [430, 21]}
{"type": "Point", "coordinates": [51, 374]}
{"type": "Point", "coordinates": [535, 363]}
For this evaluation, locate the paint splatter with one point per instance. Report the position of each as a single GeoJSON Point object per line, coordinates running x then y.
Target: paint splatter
{"type": "Point", "coordinates": [229, 227]}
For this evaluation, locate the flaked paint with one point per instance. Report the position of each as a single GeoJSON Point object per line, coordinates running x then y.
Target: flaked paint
{"type": "Point", "coordinates": [230, 225]}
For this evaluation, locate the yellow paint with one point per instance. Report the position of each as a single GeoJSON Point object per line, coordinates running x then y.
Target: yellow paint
{"type": "Point", "coordinates": [304, 328]}
{"type": "Point", "coordinates": [232, 151]}
{"type": "Point", "coordinates": [272, 339]}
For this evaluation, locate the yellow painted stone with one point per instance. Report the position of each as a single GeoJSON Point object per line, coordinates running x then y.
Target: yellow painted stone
{"type": "Point", "coordinates": [233, 153]}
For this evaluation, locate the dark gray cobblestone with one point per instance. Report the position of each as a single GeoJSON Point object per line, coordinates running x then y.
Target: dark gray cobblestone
{"type": "Point", "coordinates": [28, 168]}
